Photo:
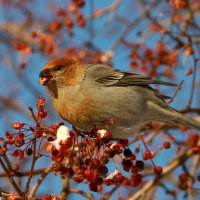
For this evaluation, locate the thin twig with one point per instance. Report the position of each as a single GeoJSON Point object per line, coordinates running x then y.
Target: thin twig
{"type": "Point", "coordinates": [65, 187]}
{"type": "Point", "coordinates": [32, 166]}
{"type": "Point", "coordinates": [193, 83]}
{"type": "Point", "coordinates": [33, 115]}
{"type": "Point", "coordinates": [39, 181]}
{"type": "Point", "coordinates": [25, 173]}
{"type": "Point", "coordinates": [193, 169]}
{"type": "Point", "coordinates": [82, 193]}
{"type": "Point", "coordinates": [111, 192]}
{"type": "Point", "coordinates": [104, 11]}
{"type": "Point", "coordinates": [12, 181]}
{"type": "Point", "coordinates": [7, 161]}
{"type": "Point", "coordinates": [176, 92]}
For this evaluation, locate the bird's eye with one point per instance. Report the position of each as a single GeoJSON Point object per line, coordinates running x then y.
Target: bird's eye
{"type": "Point", "coordinates": [57, 68]}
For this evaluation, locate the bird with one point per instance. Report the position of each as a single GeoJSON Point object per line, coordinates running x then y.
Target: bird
{"type": "Point", "coordinates": [88, 95]}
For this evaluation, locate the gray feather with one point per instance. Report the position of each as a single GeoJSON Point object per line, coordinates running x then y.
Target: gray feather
{"type": "Point", "coordinates": [108, 76]}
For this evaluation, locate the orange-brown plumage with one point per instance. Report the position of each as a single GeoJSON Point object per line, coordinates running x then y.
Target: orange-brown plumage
{"type": "Point", "coordinates": [79, 113]}
{"type": "Point", "coordinates": [75, 108]}
{"type": "Point", "coordinates": [73, 70]}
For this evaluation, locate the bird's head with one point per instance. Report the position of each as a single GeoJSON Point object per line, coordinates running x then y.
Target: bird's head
{"type": "Point", "coordinates": [61, 72]}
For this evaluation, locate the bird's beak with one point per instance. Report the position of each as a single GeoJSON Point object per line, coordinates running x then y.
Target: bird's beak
{"type": "Point", "coordinates": [45, 76]}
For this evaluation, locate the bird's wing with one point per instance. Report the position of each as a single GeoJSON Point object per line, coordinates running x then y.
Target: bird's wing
{"type": "Point", "coordinates": [108, 76]}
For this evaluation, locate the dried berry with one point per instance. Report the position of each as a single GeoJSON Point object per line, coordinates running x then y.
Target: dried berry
{"type": "Point", "coordinates": [127, 152]}
{"type": "Point", "coordinates": [140, 165]}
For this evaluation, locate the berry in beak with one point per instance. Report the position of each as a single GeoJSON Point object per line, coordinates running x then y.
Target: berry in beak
{"type": "Point", "coordinates": [45, 77]}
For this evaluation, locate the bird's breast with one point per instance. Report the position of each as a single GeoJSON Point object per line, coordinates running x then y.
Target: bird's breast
{"type": "Point", "coordinates": [78, 110]}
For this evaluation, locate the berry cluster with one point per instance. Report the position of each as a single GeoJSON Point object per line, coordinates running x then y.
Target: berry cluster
{"type": "Point", "coordinates": [86, 159]}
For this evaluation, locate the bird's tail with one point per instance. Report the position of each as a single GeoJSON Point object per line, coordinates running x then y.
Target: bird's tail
{"type": "Point", "coordinates": [187, 121]}
{"type": "Point", "coordinates": [168, 114]}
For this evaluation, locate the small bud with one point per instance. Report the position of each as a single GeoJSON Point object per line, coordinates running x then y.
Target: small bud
{"type": "Point", "coordinates": [189, 72]}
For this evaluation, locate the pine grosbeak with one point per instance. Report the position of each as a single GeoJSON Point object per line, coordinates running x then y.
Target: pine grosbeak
{"type": "Point", "coordinates": [90, 94]}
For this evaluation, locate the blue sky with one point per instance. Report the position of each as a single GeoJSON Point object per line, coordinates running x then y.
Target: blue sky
{"type": "Point", "coordinates": [106, 32]}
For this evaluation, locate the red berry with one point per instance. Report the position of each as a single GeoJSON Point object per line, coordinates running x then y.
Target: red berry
{"type": "Point", "coordinates": [134, 170]}
{"type": "Point", "coordinates": [148, 154]}
{"type": "Point", "coordinates": [16, 167]}
{"type": "Point", "coordinates": [166, 145]}
{"type": "Point", "coordinates": [20, 134]}
{"type": "Point", "coordinates": [18, 125]}
{"type": "Point", "coordinates": [137, 150]}
{"type": "Point", "coordinates": [19, 141]}
{"type": "Point", "coordinates": [108, 182]}
{"type": "Point", "coordinates": [104, 159]}
{"type": "Point", "coordinates": [79, 177]}
{"type": "Point", "coordinates": [109, 152]}
{"type": "Point", "coordinates": [118, 178]}
{"type": "Point", "coordinates": [123, 142]}
{"type": "Point", "coordinates": [69, 23]}
{"type": "Point", "coordinates": [97, 180]}
{"type": "Point", "coordinates": [183, 177]}
{"type": "Point", "coordinates": [117, 148]}
{"type": "Point", "coordinates": [60, 12]}
{"type": "Point", "coordinates": [137, 177]}
{"type": "Point", "coordinates": [42, 114]}
{"type": "Point", "coordinates": [158, 170]}
{"type": "Point", "coordinates": [40, 103]}
{"type": "Point", "coordinates": [92, 187]}
{"type": "Point", "coordinates": [192, 139]}
{"type": "Point", "coordinates": [94, 163]}
{"type": "Point", "coordinates": [48, 147]}
{"type": "Point", "coordinates": [196, 149]}
{"type": "Point", "coordinates": [37, 133]}
{"type": "Point", "coordinates": [78, 162]}
{"type": "Point", "coordinates": [134, 183]}
{"type": "Point", "coordinates": [89, 175]}
{"type": "Point", "coordinates": [102, 170]}
{"type": "Point", "coordinates": [80, 20]}
{"type": "Point", "coordinates": [67, 143]}
{"type": "Point", "coordinates": [183, 185]}
{"type": "Point", "coordinates": [8, 135]}
{"type": "Point", "coordinates": [64, 170]}
{"type": "Point", "coordinates": [79, 3]}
